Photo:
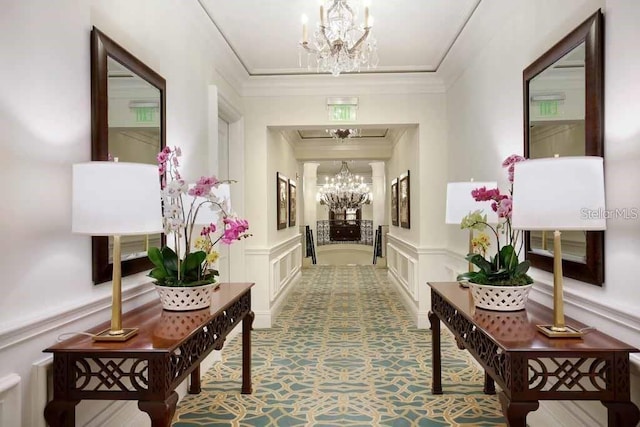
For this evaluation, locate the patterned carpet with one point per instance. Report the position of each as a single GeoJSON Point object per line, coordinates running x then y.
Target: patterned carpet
{"type": "Point", "coordinates": [343, 352]}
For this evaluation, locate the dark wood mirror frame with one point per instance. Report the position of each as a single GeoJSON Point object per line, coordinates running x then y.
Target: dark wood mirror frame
{"type": "Point", "coordinates": [591, 33]}
{"type": "Point", "coordinates": [101, 48]}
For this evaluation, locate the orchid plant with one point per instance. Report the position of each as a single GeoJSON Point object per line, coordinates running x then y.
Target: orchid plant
{"type": "Point", "coordinates": [181, 205]}
{"type": "Point", "coordinates": [505, 268]}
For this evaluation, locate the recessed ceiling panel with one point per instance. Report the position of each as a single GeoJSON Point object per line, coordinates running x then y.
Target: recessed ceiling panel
{"type": "Point", "coordinates": [412, 35]}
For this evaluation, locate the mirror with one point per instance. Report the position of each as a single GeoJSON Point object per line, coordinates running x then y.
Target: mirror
{"type": "Point", "coordinates": [564, 116]}
{"type": "Point", "coordinates": [127, 123]}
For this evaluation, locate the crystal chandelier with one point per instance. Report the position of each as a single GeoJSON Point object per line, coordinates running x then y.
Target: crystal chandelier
{"type": "Point", "coordinates": [342, 134]}
{"type": "Point", "coordinates": [338, 44]}
{"type": "Point", "coordinates": [344, 191]}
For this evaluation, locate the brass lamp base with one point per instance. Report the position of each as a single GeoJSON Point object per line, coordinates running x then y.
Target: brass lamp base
{"type": "Point", "coordinates": [106, 335]}
{"type": "Point", "coordinates": [568, 332]}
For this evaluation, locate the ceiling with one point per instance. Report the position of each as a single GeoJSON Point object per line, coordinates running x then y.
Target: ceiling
{"type": "Point", "coordinates": [412, 35]}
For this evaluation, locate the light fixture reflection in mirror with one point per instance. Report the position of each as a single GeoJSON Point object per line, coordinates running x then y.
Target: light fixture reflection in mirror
{"type": "Point", "coordinates": [556, 126]}
{"type": "Point", "coordinates": [134, 136]}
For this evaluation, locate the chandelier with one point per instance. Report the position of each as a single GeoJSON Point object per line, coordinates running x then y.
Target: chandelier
{"type": "Point", "coordinates": [338, 44]}
{"type": "Point", "coordinates": [342, 134]}
{"type": "Point", "coordinates": [344, 191]}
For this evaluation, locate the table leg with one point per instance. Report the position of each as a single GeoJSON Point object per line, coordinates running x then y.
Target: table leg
{"type": "Point", "coordinates": [622, 414]}
{"type": "Point", "coordinates": [161, 413]}
{"type": "Point", "coordinates": [195, 384]}
{"type": "Point", "coordinates": [247, 323]}
{"type": "Point", "coordinates": [516, 412]}
{"type": "Point", "coordinates": [489, 384]}
{"type": "Point", "coordinates": [436, 361]}
{"type": "Point", "coordinates": [61, 413]}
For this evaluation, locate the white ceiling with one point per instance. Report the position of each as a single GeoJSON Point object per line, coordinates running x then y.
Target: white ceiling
{"type": "Point", "coordinates": [412, 35]}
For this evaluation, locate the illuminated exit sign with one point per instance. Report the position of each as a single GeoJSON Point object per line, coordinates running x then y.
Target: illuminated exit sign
{"type": "Point", "coordinates": [342, 109]}
{"type": "Point", "coordinates": [548, 108]}
{"type": "Point", "coordinates": [342, 113]}
{"type": "Point", "coordinates": [145, 114]}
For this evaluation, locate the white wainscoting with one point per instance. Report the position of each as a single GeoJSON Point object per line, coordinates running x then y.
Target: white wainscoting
{"type": "Point", "coordinates": [403, 267]}
{"type": "Point", "coordinates": [273, 270]}
{"type": "Point", "coordinates": [10, 396]}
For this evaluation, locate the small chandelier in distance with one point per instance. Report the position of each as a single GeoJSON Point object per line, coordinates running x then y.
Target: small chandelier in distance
{"type": "Point", "coordinates": [344, 191]}
{"type": "Point", "coordinates": [342, 134]}
{"type": "Point", "coordinates": [338, 44]}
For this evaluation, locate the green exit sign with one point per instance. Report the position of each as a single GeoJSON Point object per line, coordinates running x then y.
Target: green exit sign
{"type": "Point", "coordinates": [342, 113]}
{"type": "Point", "coordinates": [145, 114]}
{"type": "Point", "coordinates": [548, 108]}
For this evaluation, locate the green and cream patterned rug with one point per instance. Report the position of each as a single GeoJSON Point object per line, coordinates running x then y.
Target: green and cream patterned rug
{"type": "Point", "coordinates": [343, 352]}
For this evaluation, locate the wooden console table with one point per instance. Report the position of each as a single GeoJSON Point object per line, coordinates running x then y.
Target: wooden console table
{"type": "Point", "coordinates": [527, 365]}
{"type": "Point", "coordinates": [169, 346]}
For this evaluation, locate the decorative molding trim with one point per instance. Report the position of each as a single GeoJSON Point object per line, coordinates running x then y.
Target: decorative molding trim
{"type": "Point", "coordinates": [50, 322]}
{"type": "Point", "coordinates": [273, 249]}
{"type": "Point", "coordinates": [377, 83]}
{"type": "Point", "coordinates": [41, 390]}
{"type": "Point", "coordinates": [10, 404]}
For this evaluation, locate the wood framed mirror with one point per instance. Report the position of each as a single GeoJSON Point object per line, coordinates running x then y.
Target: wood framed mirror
{"type": "Point", "coordinates": [128, 123]}
{"type": "Point", "coordinates": [564, 115]}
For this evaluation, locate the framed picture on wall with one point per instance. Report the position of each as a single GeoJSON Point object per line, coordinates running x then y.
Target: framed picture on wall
{"type": "Point", "coordinates": [394, 202]}
{"type": "Point", "coordinates": [282, 198]}
{"type": "Point", "coordinates": [292, 203]}
{"type": "Point", "coordinates": [404, 201]}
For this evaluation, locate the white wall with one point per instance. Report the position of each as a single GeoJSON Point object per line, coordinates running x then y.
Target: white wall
{"type": "Point", "coordinates": [485, 125]}
{"type": "Point", "coordinates": [45, 121]}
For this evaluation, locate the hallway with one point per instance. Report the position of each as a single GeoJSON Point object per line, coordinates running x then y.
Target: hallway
{"type": "Point", "coordinates": [343, 352]}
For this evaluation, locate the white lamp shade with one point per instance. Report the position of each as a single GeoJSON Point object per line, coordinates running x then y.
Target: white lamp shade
{"type": "Point", "coordinates": [112, 198]}
{"type": "Point", "coordinates": [564, 193]}
{"type": "Point", "coordinates": [460, 202]}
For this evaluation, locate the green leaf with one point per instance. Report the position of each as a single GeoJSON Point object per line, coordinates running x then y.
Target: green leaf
{"type": "Point", "coordinates": [479, 261]}
{"type": "Point", "coordinates": [192, 263]}
{"type": "Point", "coordinates": [523, 267]}
{"type": "Point", "coordinates": [508, 258]}
{"type": "Point", "coordinates": [170, 260]}
{"type": "Point", "coordinates": [158, 273]}
{"type": "Point", "coordinates": [155, 256]}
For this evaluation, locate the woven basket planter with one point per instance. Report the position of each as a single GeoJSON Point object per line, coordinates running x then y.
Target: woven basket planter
{"type": "Point", "coordinates": [186, 298]}
{"type": "Point", "coordinates": [500, 298]}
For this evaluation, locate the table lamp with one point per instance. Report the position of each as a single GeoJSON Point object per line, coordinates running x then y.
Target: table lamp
{"type": "Point", "coordinates": [115, 199]}
{"type": "Point", "coordinates": [553, 194]}
{"type": "Point", "coordinates": [460, 203]}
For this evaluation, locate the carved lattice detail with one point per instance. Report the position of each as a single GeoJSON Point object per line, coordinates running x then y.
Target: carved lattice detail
{"type": "Point", "coordinates": [212, 335]}
{"type": "Point", "coordinates": [110, 374]}
{"type": "Point", "coordinates": [568, 374]}
{"type": "Point", "coordinates": [473, 339]}
{"type": "Point", "coordinates": [620, 373]}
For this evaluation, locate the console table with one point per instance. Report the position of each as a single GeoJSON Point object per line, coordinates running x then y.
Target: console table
{"type": "Point", "coordinates": [526, 364]}
{"type": "Point", "coordinates": [169, 346]}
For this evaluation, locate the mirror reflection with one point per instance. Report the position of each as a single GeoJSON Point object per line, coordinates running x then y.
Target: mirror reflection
{"type": "Point", "coordinates": [134, 135]}
{"type": "Point", "coordinates": [557, 128]}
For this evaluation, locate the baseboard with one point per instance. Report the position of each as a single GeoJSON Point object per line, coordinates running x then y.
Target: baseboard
{"type": "Point", "coordinates": [10, 401]}
{"type": "Point", "coordinates": [407, 300]}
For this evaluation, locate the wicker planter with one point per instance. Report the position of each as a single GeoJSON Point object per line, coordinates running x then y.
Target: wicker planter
{"type": "Point", "coordinates": [186, 298]}
{"type": "Point", "coordinates": [500, 298]}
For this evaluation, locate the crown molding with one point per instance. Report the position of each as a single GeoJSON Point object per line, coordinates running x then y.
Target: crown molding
{"type": "Point", "coordinates": [372, 83]}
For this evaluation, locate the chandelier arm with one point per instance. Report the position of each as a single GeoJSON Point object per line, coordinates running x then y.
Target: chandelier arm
{"type": "Point", "coordinates": [361, 40]}
{"type": "Point", "coordinates": [305, 46]}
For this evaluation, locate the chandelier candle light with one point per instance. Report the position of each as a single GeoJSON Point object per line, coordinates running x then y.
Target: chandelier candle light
{"type": "Point", "coordinates": [344, 191]}
{"type": "Point", "coordinates": [338, 44]}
